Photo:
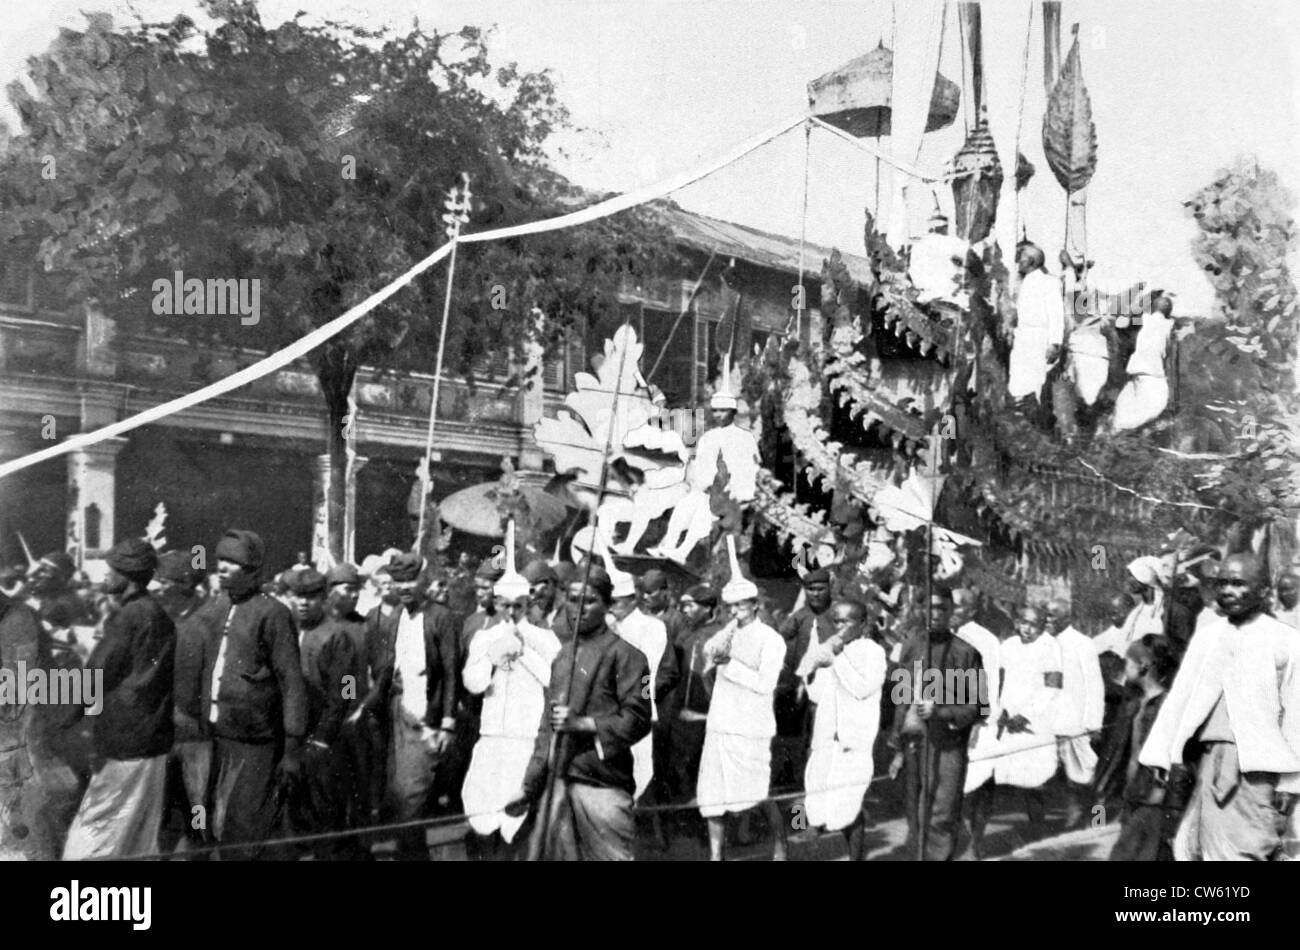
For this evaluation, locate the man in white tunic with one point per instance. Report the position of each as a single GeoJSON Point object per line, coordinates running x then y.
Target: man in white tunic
{"type": "Point", "coordinates": [1040, 325]}
{"type": "Point", "coordinates": [937, 265]}
{"type": "Point", "coordinates": [650, 636]}
{"type": "Point", "coordinates": [1031, 690]}
{"type": "Point", "coordinates": [1115, 638]}
{"type": "Point", "coordinates": [735, 765]}
{"type": "Point", "coordinates": [844, 677]}
{"type": "Point", "coordinates": [1079, 710]}
{"type": "Point", "coordinates": [984, 735]}
{"type": "Point", "coordinates": [1146, 394]}
{"type": "Point", "coordinates": [1288, 594]}
{"type": "Point", "coordinates": [691, 519]}
{"type": "Point", "coordinates": [1236, 698]}
{"type": "Point", "coordinates": [509, 665]}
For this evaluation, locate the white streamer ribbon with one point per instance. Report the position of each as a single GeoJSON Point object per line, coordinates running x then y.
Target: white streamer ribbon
{"type": "Point", "coordinates": [299, 348]}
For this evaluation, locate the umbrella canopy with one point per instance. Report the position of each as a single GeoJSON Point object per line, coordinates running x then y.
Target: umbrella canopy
{"type": "Point", "coordinates": [856, 97]}
{"type": "Point", "coordinates": [476, 510]}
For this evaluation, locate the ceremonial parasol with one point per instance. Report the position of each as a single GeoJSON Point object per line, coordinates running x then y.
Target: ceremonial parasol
{"type": "Point", "coordinates": [478, 509]}
{"type": "Point", "coordinates": [857, 97]}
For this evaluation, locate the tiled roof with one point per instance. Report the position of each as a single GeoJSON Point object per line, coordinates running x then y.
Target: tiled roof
{"type": "Point", "coordinates": [757, 247]}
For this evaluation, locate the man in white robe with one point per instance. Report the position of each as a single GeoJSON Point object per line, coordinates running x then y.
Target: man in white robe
{"type": "Point", "coordinates": [691, 519]}
{"type": "Point", "coordinates": [1237, 699]}
{"type": "Point", "coordinates": [983, 738]}
{"type": "Point", "coordinates": [1031, 690]}
{"type": "Point", "coordinates": [844, 678]}
{"type": "Point", "coordinates": [1288, 593]}
{"type": "Point", "coordinates": [650, 636]}
{"type": "Point", "coordinates": [735, 765]}
{"type": "Point", "coordinates": [1146, 394]}
{"type": "Point", "coordinates": [983, 745]}
{"type": "Point", "coordinates": [1117, 637]}
{"type": "Point", "coordinates": [937, 265]}
{"type": "Point", "coordinates": [1079, 709]}
{"type": "Point", "coordinates": [1040, 325]}
{"type": "Point", "coordinates": [509, 665]}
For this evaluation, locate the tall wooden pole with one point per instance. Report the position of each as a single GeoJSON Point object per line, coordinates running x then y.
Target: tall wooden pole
{"type": "Point", "coordinates": [1051, 43]}
{"type": "Point", "coordinates": [972, 61]}
{"type": "Point", "coordinates": [457, 205]}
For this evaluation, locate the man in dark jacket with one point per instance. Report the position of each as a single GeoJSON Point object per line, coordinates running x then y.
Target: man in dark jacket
{"type": "Point", "coordinates": [250, 691]}
{"type": "Point", "coordinates": [329, 672]}
{"type": "Point", "coordinates": [599, 705]}
{"type": "Point", "coordinates": [362, 744]}
{"type": "Point", "coordinates": [1152, 808]}
{"type": "Point", "coordinates": [807, 627]}
{"type": "Point", "coordinates": [414, 664]}
{"type": "Point", "coordinates": [190, 764]}
{"type": "Point", "coordinates": [122, 810]}
{"type": "Point", "coordinates": [690, 708]}
{"type": "Point", "coordinates": [943, 702]}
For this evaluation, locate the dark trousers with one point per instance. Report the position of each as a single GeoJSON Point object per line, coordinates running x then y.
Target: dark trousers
{"type": "Point", "coordinates": [687, 741]}
{"type": "Point", "coordinates": [947, 775]}
{"type": "Point", "coordinates": [245, 800]}
{"type": "Point", "coordinates": [320, 803]}
{"type": "Point", "coordinates": [1142, 835]}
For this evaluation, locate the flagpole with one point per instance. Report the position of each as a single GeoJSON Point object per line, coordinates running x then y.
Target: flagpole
{"type": "Point", "coordinates": [457, 205]}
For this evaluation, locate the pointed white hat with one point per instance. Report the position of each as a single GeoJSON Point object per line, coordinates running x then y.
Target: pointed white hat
{"type": "Point", "coordinates": [725, 397]}
{"type": "Point", "coordinates": [739, 587]}
{"type": "Point", "coordinates": [511, 585]}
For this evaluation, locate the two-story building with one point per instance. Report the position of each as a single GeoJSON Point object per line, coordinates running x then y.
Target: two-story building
{"type": "Point", "coordinates": [256, 457]}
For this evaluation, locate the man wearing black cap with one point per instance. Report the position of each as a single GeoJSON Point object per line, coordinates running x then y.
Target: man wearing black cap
{"type": "Point", "coordinates": [329, 672]}
{"type": "Point", "coordinates": [599, 705]}
{"type": "Point", "coordinates": [190, 763]}
{"type": "Point", "coordinates": [690, 711]}
{"type": "Point", "coordinates": [543, 583]}
{"type": "Point", "coordinates": [942, 703]}
{"type": "Point", "coordinates": [414, 670]}
{"type": "Point", "coordinates": [250, 691]}
{"type": "Point", "coordinates": [122, 810]}
{"type": "Point", "coordinates": [470, 706]}
{"type": "Point", "coordinates": [805, 629]}
{"type": "Point", "coordinates": [179, 591]}
{"type": "Point", "coordinates": [360, 744]}
{"type": "Point", "coordinates": [484, 615]}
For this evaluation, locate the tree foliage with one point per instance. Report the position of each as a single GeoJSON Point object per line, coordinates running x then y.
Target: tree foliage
{"type": "Point", "coordinates": [315, 158]}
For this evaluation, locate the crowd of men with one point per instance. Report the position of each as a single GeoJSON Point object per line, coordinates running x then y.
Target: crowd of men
{"type": "Point", "coordinates": [281, 715]}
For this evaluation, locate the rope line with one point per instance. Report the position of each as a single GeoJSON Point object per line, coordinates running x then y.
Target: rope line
{"type": "Point", "coordinates": [448, 821]}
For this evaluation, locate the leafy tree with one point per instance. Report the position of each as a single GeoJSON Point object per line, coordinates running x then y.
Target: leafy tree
{"type": "Point", "coordinates": [1240, 387]}
{"type": "Point", "coordinates": [317, 159]}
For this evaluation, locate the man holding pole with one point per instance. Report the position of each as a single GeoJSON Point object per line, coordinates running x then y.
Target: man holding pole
{"type": "Point", "coordinates": [598, 708]}
{"type": "Point", "coordinates": [934, 727]}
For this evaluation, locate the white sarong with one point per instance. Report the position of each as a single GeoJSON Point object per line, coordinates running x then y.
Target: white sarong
{"type": "Point", "coordinates": [121, 812]}
{"type": "Point", "coordinates": [1089, 361]}
{"type": "Point", "coordinates": [495, 776]}
{"type": "Point", "coordinates": [734, 773]}
{"type": "Point", "coordinates": [836, 780]}
{"type": "Point", "coordinates": [1142, 399]}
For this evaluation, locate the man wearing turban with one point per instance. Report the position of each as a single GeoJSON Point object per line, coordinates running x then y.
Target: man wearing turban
{"type": "Point", "coordinates": [414, 659]}
{"type": "Point", "coordinates": [122, 809]}
{"type": "Point", "coordinates": [250, 692]}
